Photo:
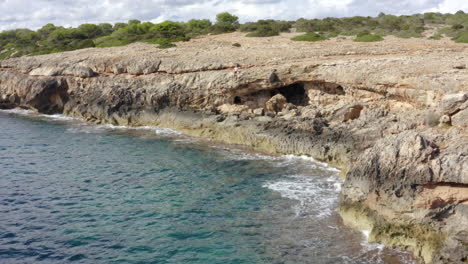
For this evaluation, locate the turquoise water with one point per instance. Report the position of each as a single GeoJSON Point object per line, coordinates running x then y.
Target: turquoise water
{"type": "Point", "coordinates": [73, 192]}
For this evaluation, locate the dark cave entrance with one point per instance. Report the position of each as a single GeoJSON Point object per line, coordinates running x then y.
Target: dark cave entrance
{"type": "Point", "coordinates": [294, 93]}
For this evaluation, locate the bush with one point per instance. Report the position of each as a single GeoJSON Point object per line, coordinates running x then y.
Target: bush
{"type": "Point", "coordinates": [462, 37]}
{"type": "Point", "coordinates": [367, 37]}
{"type": "Point", "coordinates": [309, 37]}
{"type": "Point", "coordinates": [264, 31]}
{"type": "Point", "coordinates": [168, 30]}
{"type": "Point", "coordinates": [163, 43]}
{"type": "Point", "coordinates": [237, 45]}
{"type": "Point", "coordinates": [437, 36]}
{"type": "Point", "coordinates": [432, 119]}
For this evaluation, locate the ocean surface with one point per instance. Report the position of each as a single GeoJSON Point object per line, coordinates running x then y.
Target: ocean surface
{"type": "Point", "coordinates": [72, 192]}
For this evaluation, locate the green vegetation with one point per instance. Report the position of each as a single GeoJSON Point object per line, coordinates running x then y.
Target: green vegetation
{"type": "Point", "coordinates": [51, 38]}
{"type": "Point", "coordinates": [461, 37]}
{"type": "Point", "coordinates": [265, 28]}
{"type": "Point", "coordinates": [311, 36]}
{"type": "Point", "coordinates": [225, 23]}
{"type": "Point", "coordinates": [367, 37]}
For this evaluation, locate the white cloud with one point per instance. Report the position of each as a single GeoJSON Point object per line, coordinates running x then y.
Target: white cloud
{"type": "Point", "coordinates": [34, 14]}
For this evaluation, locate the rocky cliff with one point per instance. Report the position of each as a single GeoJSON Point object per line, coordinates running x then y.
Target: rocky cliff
{"type": "Point", "coordinates": [392, 115]}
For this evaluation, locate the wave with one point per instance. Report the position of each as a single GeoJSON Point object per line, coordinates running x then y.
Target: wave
{"type": "Point", "coordinates": [18, 111]}
{"type": "Point", "coordinates": [317, 196]}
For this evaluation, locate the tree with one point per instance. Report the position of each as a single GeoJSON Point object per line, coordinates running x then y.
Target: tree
{"type": "Point", "coordinates": [226, 22]}
{"type": "Point", "coordinates": [47, 29]}
{"type": "Point", "coordinates": [168, 30]}
{"type": "Point", "coordinates": [227, 19]}
{"type": "Point", "coordinates": [90, 30]}
{"type": "Point", "coordinates": [26, 36]}
{"type": "Point", "coordinates": [106, 29]}
{"type": "Point", "coordinates": [197, 27]}
{"type": "Point", "coordinates": [134, 22]}
{"type": "Point", "coordinates": [119, 25]}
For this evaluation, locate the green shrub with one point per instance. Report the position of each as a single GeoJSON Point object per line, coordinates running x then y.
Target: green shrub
{"type": "Point", "coordinates": [309, 37]}
{"type": "Point", "coordinates": [168, 30]}
{"type": "Point", "coordinates": [163, 43]}
{"type": "Point", "coordinates": [6, 54]}
{"type": "Point", "coordinates": [237, 45]}
{"type": "Point", "coordinates": [431, 119]}
{"type": "Point", "coordinates": [367, 37]}
{"type": "Point", "coordinates": [264, 31]}
{"type": "Point", "coordinates": [462, 37]}
{"type": "Point", "coordinates": [437, 36]}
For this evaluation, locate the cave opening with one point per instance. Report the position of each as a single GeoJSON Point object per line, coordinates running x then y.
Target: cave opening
{"type": "Point", "coordinates": [295, 93]}
{"type": "Point", "coordinates": [237, 100]}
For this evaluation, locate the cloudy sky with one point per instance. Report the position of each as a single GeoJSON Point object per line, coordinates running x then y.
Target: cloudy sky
{"type": "Point", "coordinates": [35, 13]}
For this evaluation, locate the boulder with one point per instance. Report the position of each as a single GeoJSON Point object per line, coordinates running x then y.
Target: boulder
{"type": "Point", "coordinates": [276, 103]}
{"type": "Point", "coordinates": [259, 112]}
{"type": "Point", "coordinates": [79, 71]}
{"type": "Point", "coordinates": [444, 120]}
{"type": "Point", "coordinates": [451, 103]}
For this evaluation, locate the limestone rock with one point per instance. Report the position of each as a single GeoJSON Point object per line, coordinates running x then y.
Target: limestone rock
{"type": "Point", "coordinates": [232, 109]}
{"type": "Point", "coordinates": [445, 119]}
{"type": "Point", "coordinates": [276, 103]}
{"type": "Point", "coordinates": [46, 71]}
{"type": "Point", "coordinates": [451, 103]}
{"type": "Point", "coordinates": [258, 112]}
{"type": "Point", "coordinates": [461, 118]}
{"type": "Point", "coordinates": [353, 113]}
{"type": "Point", "coordinates": [79, 71]}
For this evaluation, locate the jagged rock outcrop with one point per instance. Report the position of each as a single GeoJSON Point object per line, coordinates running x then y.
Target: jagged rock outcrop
{"type": "Point", "coordinates": [372, 109]}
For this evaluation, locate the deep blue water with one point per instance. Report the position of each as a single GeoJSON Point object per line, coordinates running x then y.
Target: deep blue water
{"type": "Point", "coordinates": [72, 192]}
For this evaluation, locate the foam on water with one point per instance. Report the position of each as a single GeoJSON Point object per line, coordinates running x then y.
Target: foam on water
{"type": "Point", "coordinates": [18, 111]}
{"type": "Point", "coordinates": [83, 127]}
{"type": "Point", "coordinates": [316, 196]}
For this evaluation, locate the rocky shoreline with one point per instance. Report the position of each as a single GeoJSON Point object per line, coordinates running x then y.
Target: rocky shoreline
{"type": "Point", "coordinates": [393, 116]}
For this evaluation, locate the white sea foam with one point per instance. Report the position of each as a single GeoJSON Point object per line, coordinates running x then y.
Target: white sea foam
{"type": "Point", "coordinates": [368, 246]}
{"type": "Point", "coordinates": [310, 161]}
{"type": "Point", "coordinates": [18, 111]}
{"type": "Point", "coordinates": [316, 195]}
{"type": "Point", "coordinates": [60, 117]}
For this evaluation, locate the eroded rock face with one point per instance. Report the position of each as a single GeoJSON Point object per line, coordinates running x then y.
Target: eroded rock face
{"type": "Point", "coordinates": [360, 107]}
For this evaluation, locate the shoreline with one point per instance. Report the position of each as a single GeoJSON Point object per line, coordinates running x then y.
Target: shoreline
{"type": "Point", "coordinates": [394, 123]}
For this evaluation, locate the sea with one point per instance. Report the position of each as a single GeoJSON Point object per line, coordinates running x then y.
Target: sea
{"type": "Point", "coordinates": [74, 192]}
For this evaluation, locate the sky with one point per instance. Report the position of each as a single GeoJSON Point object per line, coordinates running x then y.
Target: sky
{"type": "Point", "coordinates": [35, 13]}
